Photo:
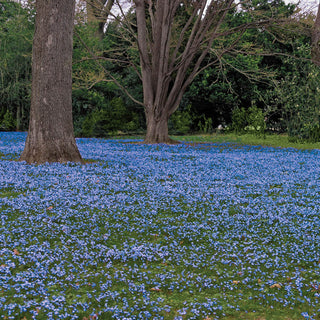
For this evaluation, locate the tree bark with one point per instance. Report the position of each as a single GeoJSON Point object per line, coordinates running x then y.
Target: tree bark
{"type": "Point", "coordinates": [315, 40]}
{"type": "Point", "coordinates": [18, 118]}
{"type": "Point", "coordinates": [172, 52]}
{"type": "Point", "coordinates": [50, 135]}
{"type": "Point", "coordinates": [157, 130]}
{"type": "Point", "coordinates": [154, 88]}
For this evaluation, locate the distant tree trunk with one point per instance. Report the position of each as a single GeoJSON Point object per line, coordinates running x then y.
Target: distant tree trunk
{"type": "Point", "coordinates": [315, 40]}
{"type": "Point", "coordinates": [50, 136]}
{"type": "Point", "coordinates": [97, 13]}
{"type": "Point", "coordinates": [18, 118]}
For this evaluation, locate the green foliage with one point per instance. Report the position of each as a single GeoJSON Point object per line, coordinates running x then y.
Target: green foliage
{"type": "Point", "coordinates": [16, 32]}
{"type": "Point", "coordinates": [239, 120]}
{"type": "Point", "coordinates": [86, 71]}
{"type": "Point", "coordinates": [205, 124]}
{"type": "Point", "coordinates": [210, 99]}
{"type": "Point", "coordinates": [103, 109]}
{"type": "Point", "coordinates": [110, 118]}
{"type": "Point", "coordinates": [8, 123]}
{"type": "Point", "coordinates": [256, 120]}
{"type": "Point", "coordinates": [297, 99]}
{"type": "Point", "coordinates": [251, 120]}
{"type": "Point", "coordinates": [180, 121]}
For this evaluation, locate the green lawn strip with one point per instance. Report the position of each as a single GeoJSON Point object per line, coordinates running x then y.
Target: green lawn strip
{"type": "Point", "coordinates": [271, 140]}
{"type": "Point", "coordinates": [10, 192]}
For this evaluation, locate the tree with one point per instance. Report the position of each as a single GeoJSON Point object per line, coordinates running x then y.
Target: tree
{"type": "Point", "coordinates": [315, 39]}
{"type": "Point", "coordinates": [174, 38]}
{"type": "Point", "coordinates": [169, 43]}
{"type": "Point", "coordinates": [97, 14]}
{"type": "Point", "coordinates": [50, 135]}
{"type": "Point", "coordinates": [16, 31]}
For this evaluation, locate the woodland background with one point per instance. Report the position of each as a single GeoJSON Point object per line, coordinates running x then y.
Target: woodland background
{"type": "Point", "coordinates": [269, 84]}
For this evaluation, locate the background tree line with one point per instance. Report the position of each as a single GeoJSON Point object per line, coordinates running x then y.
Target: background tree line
{"type": "Point", "coordinates": [258, 85]}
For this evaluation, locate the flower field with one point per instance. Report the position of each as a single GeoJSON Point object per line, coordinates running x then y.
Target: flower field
{"type": "Point", "coordinates": [213, 231]}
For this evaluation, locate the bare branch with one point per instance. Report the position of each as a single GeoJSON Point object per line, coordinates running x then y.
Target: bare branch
{"type": "Point", "coordinates": [107, 72]}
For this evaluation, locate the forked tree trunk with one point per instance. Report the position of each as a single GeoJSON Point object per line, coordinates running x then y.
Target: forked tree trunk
{"type": "Point", "coordinates": [157, 130]}
{"type": "Point", "coordinates": [171, 53]}
{"type": "Point", "coordinates": [50, 136]}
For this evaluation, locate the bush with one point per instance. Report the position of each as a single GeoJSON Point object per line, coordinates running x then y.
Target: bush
{"type": "Point", "coordinates": [8, 123]}
{"type": "Point", "coordinates": [180, 121]}
{"type": "Point", "coordinates": [110, 119]}
{"type": "Point", "coordinates": [239, 120]}
{"type": "Point", "coordinates": [297, 99]}
{"type": "Point", "coordinates": [205, 124]}
{"type": "Point", "coordinates": [251, 120]}
{"type": "Point", "coordinates": [306, 132]}
{"type": "Point", "coordinates": [256, 120]}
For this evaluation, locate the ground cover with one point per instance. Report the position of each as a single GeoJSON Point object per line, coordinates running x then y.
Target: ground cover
{"type": "Point", "coordinates": [267, 140]}
{"type": "Point", "coordinates": [271, 140]}
{"type": "Point", "coordinates": [209, 231]}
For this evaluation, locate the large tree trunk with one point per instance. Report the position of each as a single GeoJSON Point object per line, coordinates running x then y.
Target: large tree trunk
{"type": "Point", "coordinates": [154, 94]}
{"type": "Point", "coordinates": [171, 54]}
{"type": "Point", "coordinates": [157, 129]}
{"type": "Point", "coordinates": [50, 136]}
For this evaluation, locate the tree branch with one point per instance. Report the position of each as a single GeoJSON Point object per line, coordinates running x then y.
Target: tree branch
{"type": "Point", "coordinates": [107, 72]}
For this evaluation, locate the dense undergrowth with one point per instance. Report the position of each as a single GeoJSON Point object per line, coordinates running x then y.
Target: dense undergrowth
{"type": "Point", "coordinates": [208, 231]}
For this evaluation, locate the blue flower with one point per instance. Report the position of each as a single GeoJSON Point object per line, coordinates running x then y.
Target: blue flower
{"type": "Point", "coordinates": [209, 224]}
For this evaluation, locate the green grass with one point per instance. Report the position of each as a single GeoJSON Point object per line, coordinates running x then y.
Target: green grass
{"type": "Point", "coordinates": [10, 192]}
{"type": "Point", "coordinates": [270, 140]}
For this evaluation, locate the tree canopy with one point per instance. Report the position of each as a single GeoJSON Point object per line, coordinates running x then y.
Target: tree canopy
{"type": "Point", "coordinates": [252, 62]}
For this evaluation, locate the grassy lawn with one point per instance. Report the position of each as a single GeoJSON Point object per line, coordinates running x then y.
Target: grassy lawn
{"type": "Point", "coordinates": [271, 140]}
{"type": "Point", "coordinates": [222, 230]}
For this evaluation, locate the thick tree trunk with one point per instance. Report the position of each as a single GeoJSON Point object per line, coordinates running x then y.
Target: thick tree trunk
{"type": "Point", "coordinates": [50, 136]}
{"type": "Point", "coordinates": [157, 130]}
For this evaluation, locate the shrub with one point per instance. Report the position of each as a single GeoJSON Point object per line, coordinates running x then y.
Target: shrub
{"type": "Point", "coordinates": [251, 120]}
{"type": "Point", "coordinates": [181, 121]}
{"type": "Point", "coordinates": [297, 97]}
{"type": "Point", "coordinates": [239, 120]}
{"type": "Point", "coordinates": [110, 119]}
{"type": "Point", "coordinates": [8, 123]}
{"type": "Point", "coordinates": [256, 120]}
{"type": "Point", "coordinates": [205, 124]}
